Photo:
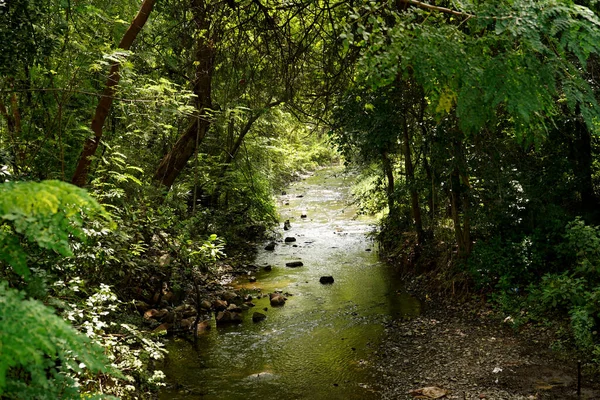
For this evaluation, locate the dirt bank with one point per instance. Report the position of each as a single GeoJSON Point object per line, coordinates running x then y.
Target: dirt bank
{"type": "Point", "coordinates": [463, 349]}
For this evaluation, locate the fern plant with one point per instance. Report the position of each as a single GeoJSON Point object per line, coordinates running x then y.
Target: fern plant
{"type": "Point", "coordinates": [41, 355]}
{"type": "Point", "coordinates": [46, 213]}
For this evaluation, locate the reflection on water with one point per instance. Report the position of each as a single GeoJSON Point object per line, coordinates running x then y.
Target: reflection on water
{"type": "Point", "coordinates": [319, 344]}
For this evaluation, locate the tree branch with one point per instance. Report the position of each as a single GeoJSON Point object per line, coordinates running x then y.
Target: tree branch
{"type": "Point", "coordinates": [425, 6]}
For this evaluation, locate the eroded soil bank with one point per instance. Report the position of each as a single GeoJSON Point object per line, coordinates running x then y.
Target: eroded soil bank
{"type": "Point", "coordinates": [463, 349]}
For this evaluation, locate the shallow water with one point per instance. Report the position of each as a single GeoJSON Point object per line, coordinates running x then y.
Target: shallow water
{"type": "Point", "coordinates": [319, 344]}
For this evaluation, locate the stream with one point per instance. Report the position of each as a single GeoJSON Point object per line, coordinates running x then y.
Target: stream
{"type": "Point", "coordinates": [320, 343]}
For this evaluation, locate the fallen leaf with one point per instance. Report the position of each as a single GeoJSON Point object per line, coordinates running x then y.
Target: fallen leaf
{"type": "Point", "coordinates": [430, 392]}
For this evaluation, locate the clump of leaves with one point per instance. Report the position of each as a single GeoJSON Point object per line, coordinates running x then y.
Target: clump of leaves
{"type": "Point", "coordinates": [40, 353]}
{"type": "Point", "coordinates": [46, 213]}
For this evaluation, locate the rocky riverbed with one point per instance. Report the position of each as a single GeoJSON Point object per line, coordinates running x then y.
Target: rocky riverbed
{"type": "Point", "coordinates": [469, 354]}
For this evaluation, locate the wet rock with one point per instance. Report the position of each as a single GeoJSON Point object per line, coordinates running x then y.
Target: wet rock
{"type": "Point", "coordinates": [302, 215]}
{"type": "Point", "coordinates": [283, 193]}
{"type": "Point", "coordinates": [287, 225]}
{"type": "Point", "coordinates": [270, 246]}
{"type": "Point", "coordinates": [234, 308]}
{"type": "Point", "coordinates": [203, 326]}
{"type": "Point", "coordinates": [257, 317]}
{"type": "Point", "coordinates": [268, 268]}
{"type": "Point", "coordinates": [205, 305]}
{"type": "Point", "coordinates": [287, 203]}
{"type": "Point", "coordinates": [250, 304]}
{"type": "Point", "coordinates": [248, 298]}
{"type": "Point", "coordinates": [367, 249]}
{"type": "Point", "coordinates": [277, 299]}
{"type": "Point", "coordinates": [252, 279]}
{"type": "Point", "coordinates": [300, 196]}
{"type": "Point", "coordinates": [219, 304]}
{"type": "Point", "coordinates": [294, 264]}
{"type": "Point", "coordinates": [187, 323]}
{"type": "Point", "coordinates": [229, 296]}
{"type": "Point", "coordinates": [186, 310]}
{"type": "Point", "coordinates": [164, 327]}
{"type": "Point", "coordinates": [265, 309]}
{"type": "Point", "coordinates": [326, 280]}
{"type": "Point", "coordinates": [155, 314]}
{"type": "Point", "coordinates": [290, 239]}
{"type": "Point", "coordinates": [228, 317]}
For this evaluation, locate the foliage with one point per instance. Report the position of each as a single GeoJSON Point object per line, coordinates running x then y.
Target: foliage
{"type": "Point", "coordinates": [41, 355]}
{"type": "Point", "coordinates": [126, 348]}
{"type": "Point", "coordinates": [45, 213]}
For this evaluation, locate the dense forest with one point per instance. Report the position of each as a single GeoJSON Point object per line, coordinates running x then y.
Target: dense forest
{"type": "Point", "coordinates": [141, 143]}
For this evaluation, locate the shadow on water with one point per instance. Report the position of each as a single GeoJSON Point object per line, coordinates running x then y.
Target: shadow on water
{"type": "Point", "coordinates": [319, 344]}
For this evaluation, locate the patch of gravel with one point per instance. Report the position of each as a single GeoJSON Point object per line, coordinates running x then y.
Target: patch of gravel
{"type": "Point", "coordinates": [462, 349]}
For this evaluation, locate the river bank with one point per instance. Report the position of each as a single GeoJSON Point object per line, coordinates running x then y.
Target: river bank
{"type": "Point", "coordinates": [461, 347]}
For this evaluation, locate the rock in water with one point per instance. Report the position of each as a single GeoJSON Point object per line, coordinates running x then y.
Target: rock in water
{"type": "Point", "coordinates": [287, 225]}
{"type": "Point", "coordinates": [294, 264]}
{"type": "Point", "coordinates": [290, 239]}
{"type": "Point", "coordinates": [268, 268]}
{"type": "Point", "coordinates": [228, 317]}
{"type": "Point", "coordinates": [257, 317]}
{"type": "Point", "coordinates": [325, 280]}
{"type": "Point", "coordinates": [277, 299]}
{"type": "Point", "coordinates": [219, 304]}
{"type": "Point", "coordinates": [270, 246]}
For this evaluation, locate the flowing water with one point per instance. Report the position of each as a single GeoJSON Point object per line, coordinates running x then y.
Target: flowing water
{"type": "Point", "coordinates": [319, 345]}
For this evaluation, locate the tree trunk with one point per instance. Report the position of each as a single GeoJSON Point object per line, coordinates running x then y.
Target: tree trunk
{"type": "Point", "coordinates": [389, 173]}
{"type": "Point", "coordinates": [410, 177]}
{"type": "Point", "coordinates": [103, 107]}
{"type": "Point", "coordinates": [176, 159]}
{"type": "Point", "coordinates": [460, 203]}
{"type": "Point", "coordinates": [582, 160]}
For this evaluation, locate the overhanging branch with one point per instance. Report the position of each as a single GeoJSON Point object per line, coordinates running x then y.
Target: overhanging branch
{"type": "Point", "coordinates": [426, 6]}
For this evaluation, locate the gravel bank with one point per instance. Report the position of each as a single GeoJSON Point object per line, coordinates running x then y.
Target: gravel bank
{"type": "Point", "coordinates": [464, 350]}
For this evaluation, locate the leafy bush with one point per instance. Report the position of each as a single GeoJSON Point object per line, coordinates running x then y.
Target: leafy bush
{"type": "Point", "coordinates": [41, 355]}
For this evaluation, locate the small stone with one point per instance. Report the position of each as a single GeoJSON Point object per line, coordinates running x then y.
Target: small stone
{"type": "Point", "coordinates": [252, 279]}
{"type": "Point", "coordinates": [294, 264]}
{"type": "Point", "coordinates": [326, 280]}
{"type": "Point", "coordinates": [257, 317]}
{"type": "Point", "coordinates": [270, 246]}
{"type": "Point", "coordinates": [290, 239]}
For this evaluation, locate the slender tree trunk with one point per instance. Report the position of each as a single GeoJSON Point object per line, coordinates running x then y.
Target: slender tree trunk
{"type": "Point", "coordinates": [460, 203]}
{"type": "Point", "coordinates": [91, 144]}
{"type": "Point", "coordinates": [582, 160]}
{"type": "Point", "coordinates": [389, 173]}
{"type": "Point", "coordinates": [410, 175]}
{"type": "Point", "coordinates": [176, 159]}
